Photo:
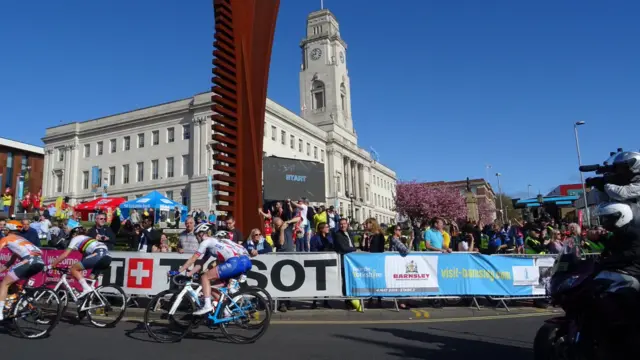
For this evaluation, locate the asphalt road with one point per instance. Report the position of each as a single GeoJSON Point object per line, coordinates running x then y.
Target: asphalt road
{"type": "Point", "coordinates": [451, 339]}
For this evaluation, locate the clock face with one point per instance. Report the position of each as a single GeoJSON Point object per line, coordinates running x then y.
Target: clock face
{"type": "Point", "coordinates": [316, 53]}
{"type": "Point", "coordinates": [341, 57]}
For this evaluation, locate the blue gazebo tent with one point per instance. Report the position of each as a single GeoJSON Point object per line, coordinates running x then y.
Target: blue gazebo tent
{"type": "Point", "coordinates": [153, 200]}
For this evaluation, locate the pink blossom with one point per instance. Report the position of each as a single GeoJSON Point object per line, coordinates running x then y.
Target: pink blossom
{"type": "Point", "coordinates": [486, 211]}
{"type": "Point", "coordinates": [421, 202]}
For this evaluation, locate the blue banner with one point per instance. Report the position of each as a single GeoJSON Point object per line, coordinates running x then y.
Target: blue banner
{"type": "Point", "coordinates": [435, 274]}
{"type": "Point", "coordinates": [20, 190]}
{"type": "Point", "coordinates": [95, 179]}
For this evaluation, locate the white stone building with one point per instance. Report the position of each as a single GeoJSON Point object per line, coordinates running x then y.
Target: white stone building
{"type": "Point", "coordinates": [167, 147]}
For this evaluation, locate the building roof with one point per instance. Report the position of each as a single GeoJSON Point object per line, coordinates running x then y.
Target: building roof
{"type": "Point", "coordinates": [21, 146]}
{"type": "Point", "coordinates": [461, 183]}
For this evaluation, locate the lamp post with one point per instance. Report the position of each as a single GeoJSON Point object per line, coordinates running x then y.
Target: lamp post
{"type": "Point", "coordinates": [584, 188]}
{"type": "Point", "coordinates": [500, 197]}
{"type": "Point", "coordinates": [351, 197]}
{"type": "Point", "coordinates": [529, 191]}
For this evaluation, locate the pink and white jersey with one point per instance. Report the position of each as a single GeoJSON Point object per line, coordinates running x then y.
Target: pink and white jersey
{"type": "Point", "coordinates": [223, 249]}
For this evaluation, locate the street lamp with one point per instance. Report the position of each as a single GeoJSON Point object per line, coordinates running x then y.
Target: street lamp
{"type": "Point", "coordinates": [351, 197]}
{"type": "Point", "coordinates": [529, 191]}
{"type": "Point", "coordinates": [584, 188]}
{"type": "Point", "coordinates": [500, 196]}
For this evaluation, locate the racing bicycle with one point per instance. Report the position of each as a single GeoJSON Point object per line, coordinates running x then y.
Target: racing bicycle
{"type": "Point", "coordinates": [35, 306]}
{"type": "Point", "coordinates": [237, 308]}
{"type": "Point", "coordinates": [104, 306]}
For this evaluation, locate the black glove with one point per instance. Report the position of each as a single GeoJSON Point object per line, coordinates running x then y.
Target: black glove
{"type": "Point", "coordinates": [596, 182]}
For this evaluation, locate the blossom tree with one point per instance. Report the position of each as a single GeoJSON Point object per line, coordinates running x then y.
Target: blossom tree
{"type": "Point", "coordinates": [422, 202]}
{"type": "Point", "coordinates": [486, 211]}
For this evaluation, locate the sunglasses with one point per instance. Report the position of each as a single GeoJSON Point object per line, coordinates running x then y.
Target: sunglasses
{"type": "Point", "coordinates": [101, 219]}
{"type": "Point", "coordinates": [258, 234]}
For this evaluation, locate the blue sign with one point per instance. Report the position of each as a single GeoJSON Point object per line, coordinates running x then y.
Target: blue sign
{"type": "Point", "coordinates": [435, 274]}
{"type": "Point", "coordinates": [20, 191]}
{"type": "Point", "coordinates": [95, 179]}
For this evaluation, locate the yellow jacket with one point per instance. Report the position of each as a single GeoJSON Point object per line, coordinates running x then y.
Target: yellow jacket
{"type": "Point", "coordinates": [446, 239]}
{"type": "Point", "coordinates": [6, 199]}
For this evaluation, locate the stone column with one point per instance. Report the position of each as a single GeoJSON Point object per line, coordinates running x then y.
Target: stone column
{"type": "Point", "coordinates": [73, 171]}
{"type": "Point", "coordinates": [204, 139]}
{"type": "Point", "coordinates": [356, 179]}
{"type": "Point", "coordinates": [67, 169]}
{"type": "Point", "coordinates": [347, 179]}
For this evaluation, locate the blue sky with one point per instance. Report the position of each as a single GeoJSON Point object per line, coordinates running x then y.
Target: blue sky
{"type": "Point", "coordinates": [439, 88]}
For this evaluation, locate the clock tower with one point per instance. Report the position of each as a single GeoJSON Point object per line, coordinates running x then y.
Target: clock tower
{"type": "Point", "coordinates": [325, 91]}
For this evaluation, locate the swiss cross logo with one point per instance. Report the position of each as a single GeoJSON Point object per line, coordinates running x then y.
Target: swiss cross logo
{"type": "Point", "coordinates": [140, 275]}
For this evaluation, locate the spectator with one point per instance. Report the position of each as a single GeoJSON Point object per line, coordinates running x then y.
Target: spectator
{"type": "Point", "coordinates": [466, 242]}
{"type": "Point", "coordinates": [7, 199]}
{"type": "Point", "coordinates": [332, 219]}
{"type": "Point", "coordinates": [163, 246]}
{"type": "Point", "coordinates": [234, 234]}
{"type": "Point", "coordinates": [373, 239]}
{"type": "Point", "coordinates": [434, 241]}
{"type": "Point", "coordinates": [30, 234]}
{"type": "Point", "coordinates": [176, 218]}
{"type": "Point", "coordinates": [135, 217]}
{"type": "Point", "coordinates": [256, 244]}
{"type": "Point", "coordinates": [212, 218]}
{"type": "Point", "coordinates": [187, 241]}
{"type": "Point", "coordinates": [302, 212]}
{"type": "Point", "coordinates": [101, 232]}
{"type": "Point", "coordinates": [283, 235]}
{"type": "Point", "coordinates": [342, 240]}
{"type": "Point", "coordinates": [320, 217]}
{"type": "Point", "coordinates": [555, 243]}
{"type": "Point", "coordinates": [45, 226]}
{"type": "Point", "coordinates": [322, 240]}
{"type": "Point", "coordinates": [149, 237]}
{"type": "Point", "coordinates": [152, 216]}
{"type": "Point", "coordinates": [3, 224]}
{"type": "Point", "coordinates": [267, 226]}
{"type": "Point", "coordinates": [395, 242]}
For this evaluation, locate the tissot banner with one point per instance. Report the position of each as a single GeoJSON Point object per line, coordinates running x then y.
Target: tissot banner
{"type": "Point", "coordinates": [435, 274]}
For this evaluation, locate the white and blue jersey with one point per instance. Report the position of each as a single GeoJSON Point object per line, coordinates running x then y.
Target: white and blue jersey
{"type": "Point", "coordinates": [233, 259]}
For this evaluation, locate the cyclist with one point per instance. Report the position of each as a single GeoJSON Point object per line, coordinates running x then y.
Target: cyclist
{"type": "Point", "coordinates": [95, 255]}
{"type": "Point", "coordinates": [31, 263]}
{"type": "Point", "coordinates": [233, 260]}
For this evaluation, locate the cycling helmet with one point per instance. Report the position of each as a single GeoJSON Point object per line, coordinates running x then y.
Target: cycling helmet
{"type": "Point", "coordinates": [613, 216]}
{"type": "Point", "coordinates": [222, 234]}
{"type": "Point", "coordinates": [204, 227]}
{"type": "Point", "coordinates": [74, 228]}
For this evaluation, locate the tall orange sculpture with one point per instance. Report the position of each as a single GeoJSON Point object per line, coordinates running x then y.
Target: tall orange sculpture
{"type": "Point", "coordinates": [244, 31]}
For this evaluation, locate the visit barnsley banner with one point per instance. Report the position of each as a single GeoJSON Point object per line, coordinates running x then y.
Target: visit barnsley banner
{"type": "Point", "coordinates": [433, 274]}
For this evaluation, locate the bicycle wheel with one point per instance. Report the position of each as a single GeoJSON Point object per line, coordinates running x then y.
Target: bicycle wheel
{"type": "Point", "coordinates": [264, 292]}
{"type": "Point", "coordinates": [107, 306]}
{"type": "Point", "coordinates": [245, 306]}
{"type": "Point", "coordinates": [62, 293]}
{"type": "Point", "coordinates": [36, 307]}
{"type": "Point", "coordinates": [171, 327]}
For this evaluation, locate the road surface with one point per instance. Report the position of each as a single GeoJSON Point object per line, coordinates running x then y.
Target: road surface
{"type": "Point", "coordinates": [506, 337]}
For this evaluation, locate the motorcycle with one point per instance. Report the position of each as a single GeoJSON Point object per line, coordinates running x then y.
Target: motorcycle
{"type": "Point", "coordinates": [582, 333]}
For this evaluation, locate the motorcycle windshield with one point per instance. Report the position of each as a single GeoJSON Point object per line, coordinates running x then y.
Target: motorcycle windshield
{"type": "Point", "coordinates": [565, 268]}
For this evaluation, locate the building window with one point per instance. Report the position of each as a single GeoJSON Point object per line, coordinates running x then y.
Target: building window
{"type": "Point", "coordinates": [9, 171]}
{"type": "Point", "coordinates": [100, 148]}
{"type": "Point", "coordinates": [185, 165]}
{"type": "Point", "coordinates": [366, 194]}
{"type": "Point", "coordinates": [338, 183]}
{"type": "Point", "coordinates": [283, 137]}
{"type": "Point", "coordinates": [315, 152]}
{"type": "Point", "coordinates": [138, 196]}
{"type": "Point", "coordinates": [59, 179]}
{"type": "Point", "coordinates": [343, 96]}
{"type": "Point", "coordinates": [155, 137]}
{"type": "Point", "coordinates": [169, 167]}
{"type": "Point", "coordinates": [186, 132]}
{"type": "Point", "coordinates": [317, 95]}
{"type": "Point", "coordinates": [87, 150]}
{"type": "Point", "coordinates": [85, 180]}
{"type": "Point", "coordinates": [171, 135]}
{"type": "Point", "coordinates": [61, 154]}
{"type": "Point", "coordinates": [140, 170]}
{"type": "Point", "coordinates": [169, 195]}
{"type": "Point", "coordinates": [112, 146]}
{"type": "Point", "coordinates": [112, 176]}
{"type": "Point", "coordinates": [273, 133]}
{"type": "Point", "coordinates": [140, 140]}
{"type": "Point", "coordinates": [154, 170]}
{"type": "Point", "coordinates": [126, 144]}
{"type": "Point", "coordinates": [99, 177]}
{"type": "Point", "coordinates": [308, 149]}
{"type": "Point", "coordinates": [321, 155]}
{"type": "Point", "coordinates": [185, 197]}
{"type": "Point", "coordinates": [125, 174]}
{"type": "Point", "coordinates": [300, 145]}
{"type": "Point", "coordinates": [292, 141]}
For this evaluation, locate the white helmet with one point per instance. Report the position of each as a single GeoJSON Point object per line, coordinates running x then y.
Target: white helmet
{"type": "Point", "coordinates": [204, 227]}
{"type": "Point", "coordinates": [630, 159]}
{"type": "Point", "coordinates": [613, 216]}
{"type": "Point", "coordinates": [222, 234]}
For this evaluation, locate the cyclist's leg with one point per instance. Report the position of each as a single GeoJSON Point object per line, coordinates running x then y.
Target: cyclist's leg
{"type": "Point", "coordinates": [87, 263]}
{"type": "Point", "coordinates": [222, 271]}
{"type": "Point", "coordinates": [25, 269]}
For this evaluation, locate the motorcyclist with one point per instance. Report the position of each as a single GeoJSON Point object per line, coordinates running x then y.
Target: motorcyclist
{"type": "Point", "coordinates": [624, 183]}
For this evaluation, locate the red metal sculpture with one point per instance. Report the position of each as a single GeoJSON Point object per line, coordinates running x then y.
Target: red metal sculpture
{"type": "Point", "coordinates": [244, 31]}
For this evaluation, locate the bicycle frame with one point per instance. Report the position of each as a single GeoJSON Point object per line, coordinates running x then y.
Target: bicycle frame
{"type": "Point", "coordinates": [70, 291]}
{"type": "Point", "coordinates": [188, 289]}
